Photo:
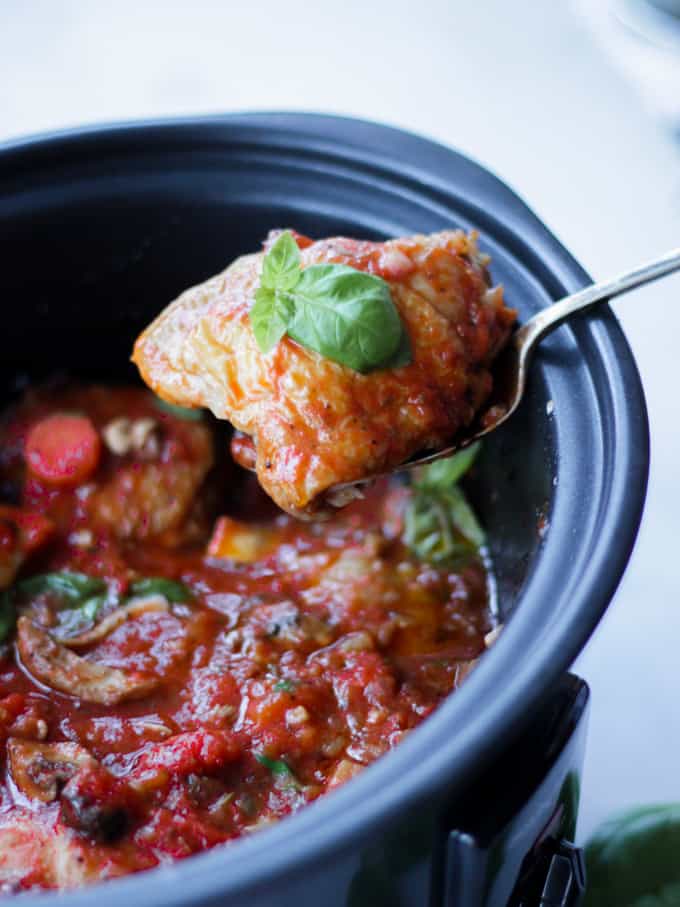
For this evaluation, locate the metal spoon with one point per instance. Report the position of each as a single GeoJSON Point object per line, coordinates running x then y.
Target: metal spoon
{"type": "Point", "coordinates": [511, 367]}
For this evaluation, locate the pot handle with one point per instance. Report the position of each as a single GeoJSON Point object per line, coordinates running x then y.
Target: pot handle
{"type": "Point", "coordinates": [516, 850]}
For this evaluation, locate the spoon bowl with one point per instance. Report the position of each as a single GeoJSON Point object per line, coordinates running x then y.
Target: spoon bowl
{"type": "Point", "coordinates": [511, 367]}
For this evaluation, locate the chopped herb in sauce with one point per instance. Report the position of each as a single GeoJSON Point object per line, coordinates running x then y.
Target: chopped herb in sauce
{"type": "Point", "coordinates": [285, 686]}
{"type": "Point", "coordinates": [158, 585]}
{"type": "Point", "coordinates": [279, 768]}
{"type": "Point", "coordinates": [79, 597]}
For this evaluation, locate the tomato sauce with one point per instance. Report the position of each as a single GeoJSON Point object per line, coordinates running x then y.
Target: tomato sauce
{"type": "Point", "coordinates": [143, 720]}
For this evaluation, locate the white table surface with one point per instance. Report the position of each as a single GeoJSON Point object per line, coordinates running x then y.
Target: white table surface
{"type": "Point", "coordinates": [524, 88]}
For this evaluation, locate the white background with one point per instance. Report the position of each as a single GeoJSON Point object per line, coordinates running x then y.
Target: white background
{"type": "Point", "coordinates": [525, 88]}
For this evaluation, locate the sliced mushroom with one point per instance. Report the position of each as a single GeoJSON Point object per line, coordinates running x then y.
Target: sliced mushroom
{"type": "Point", "coordinates": [123, 436]}
{"type": "Point", "coordinates": [40, 770]}
{"type": "Point", "coordinates": [129, 611]}
{"type": "Point", "coordinates": [54, 665]}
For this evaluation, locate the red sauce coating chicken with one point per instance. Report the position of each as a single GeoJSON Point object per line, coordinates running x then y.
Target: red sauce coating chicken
{"type": "Point", "coordinates": [313, 423]}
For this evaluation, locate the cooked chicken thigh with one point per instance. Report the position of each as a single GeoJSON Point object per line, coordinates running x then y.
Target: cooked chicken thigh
{"type": "Point", "coordinates": [314, 423]}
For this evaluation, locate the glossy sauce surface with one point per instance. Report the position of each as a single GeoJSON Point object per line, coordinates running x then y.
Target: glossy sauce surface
{"type": "Point", "coordinates": [296, 654]}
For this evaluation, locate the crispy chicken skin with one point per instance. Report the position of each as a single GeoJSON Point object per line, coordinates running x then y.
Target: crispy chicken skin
{"type": "Point", "coordinates": [316, 424]}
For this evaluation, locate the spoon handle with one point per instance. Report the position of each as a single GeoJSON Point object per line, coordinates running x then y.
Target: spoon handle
{"type": "Point", "coordinates": [548, 319]}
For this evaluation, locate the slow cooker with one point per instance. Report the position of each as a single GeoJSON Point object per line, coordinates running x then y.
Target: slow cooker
{"type": "Point", "coordinates": [101, 227]}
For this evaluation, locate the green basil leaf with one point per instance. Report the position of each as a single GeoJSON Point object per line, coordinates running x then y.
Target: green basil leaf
{"type": "Point", "coordinates": [442, 474]}
{"type": "Point", "coordinates": [281, 265]}
{"type": "Point", "coordinates": [403, 355]}
{"type": "Point", "coordinates": [7, 614]}
{"type": "Point", "coordinates": [91, 608]}
{"type": "Point", "coordinates": [158, 585]}
{"type": "Point", "coordinates": [275, 766]}
{"type": "Point", "coordinates": [345, 315]}
{"type": "Point", "coordinates": [633, 859]}
{"type": "Point", "coordinates": [439, 524]}
{"type": "Point", "coordinates": [73, 587]}
{"type": "Point", "coordinates": [432, 530]}
{"type": "Point", "coordinates": [76, 590]}
{"type": "Point", "coordinates": [341, 313]}
{"type": "Point", "coordinates": [463, 516]}
{"type": "Point", "coordinates": [270, 316]}
{"type": "Point", "coordinates": [182, 412]}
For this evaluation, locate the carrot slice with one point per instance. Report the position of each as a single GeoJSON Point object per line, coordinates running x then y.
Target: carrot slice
{"type": "Point", "coordinates": [63, 449]}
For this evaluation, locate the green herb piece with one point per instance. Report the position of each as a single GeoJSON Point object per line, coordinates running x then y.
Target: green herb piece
{"type": "Point", "coordinates": [434, 527]}
{"type": "Point", "coordinates": [84, 595]}
{"type": "Point", "coordinates": [279, 768]}
{"type": "Point", "coordinates": [632, 860]}
{"type": "Point", "coordinates": [91, 608]}
{"type": "Point", "coordinates": [74, 587]}
{"type": "Point", "coordinates": [158, 585]}
{"type": "Point", "coordinates": [270, 317]}
{"type": "Point", "coordinates": [281, 266]}
{"type": "Point", "coordinates": [182, 412]}
{"type": "Point", "coordinates": [284, 686]}
{"type": "Point", "coordinates": [341, 313]}
{"type": "Point", "coordinates": [442, 474]}
{"type": "Point", "coordinates": [403, 355]}
{"type": "Point", "coordinates": [439, 525]}
{"type": "Point", "coordinates": [347, 316]}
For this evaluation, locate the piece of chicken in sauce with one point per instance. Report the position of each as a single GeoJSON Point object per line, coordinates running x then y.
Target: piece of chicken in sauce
{"type": "Point", "coordinates": [137, 468]}
{"type": "Point", "coordinates": [308, 423]}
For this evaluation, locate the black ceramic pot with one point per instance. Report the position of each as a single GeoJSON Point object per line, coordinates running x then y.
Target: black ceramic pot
{"type": "Point", "coordinates": [101, 227]}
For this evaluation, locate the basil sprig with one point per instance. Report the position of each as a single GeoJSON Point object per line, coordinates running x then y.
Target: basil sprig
{"type": "Point", "coordinates": [82, 595]}
{"type": "Point", "coordinates": [68, 585]}
{"type": "Point", "coordinates": [79, 597]}
{"type": "Point", "coordinates": [344, 314]}
{"type": "Point", "coordinates": [439, 525]}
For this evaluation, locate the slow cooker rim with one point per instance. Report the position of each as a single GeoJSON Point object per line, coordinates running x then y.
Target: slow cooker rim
{"type": "Point", "coordinates": [627, 407]}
